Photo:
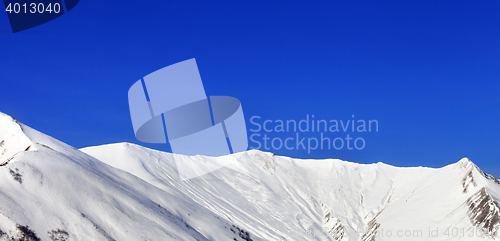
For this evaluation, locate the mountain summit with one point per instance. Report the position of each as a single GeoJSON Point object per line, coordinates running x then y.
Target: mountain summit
{"type": "Point", "coordinates": [52, 191]}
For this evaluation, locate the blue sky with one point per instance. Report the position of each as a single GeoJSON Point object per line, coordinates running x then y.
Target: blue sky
{"type": "Point", "coordinates": [426, 71]}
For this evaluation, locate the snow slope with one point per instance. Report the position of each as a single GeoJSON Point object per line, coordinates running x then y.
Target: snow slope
{"type": "Point", "coordinates": [52, 191]}
{"type": "Point", "coordinates": [280, 198]}
{"type": "Point", "coordinates": [60, 193]}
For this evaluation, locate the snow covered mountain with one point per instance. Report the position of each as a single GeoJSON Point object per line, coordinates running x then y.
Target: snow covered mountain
{"type": "Point", "coordinates": [52, 191]}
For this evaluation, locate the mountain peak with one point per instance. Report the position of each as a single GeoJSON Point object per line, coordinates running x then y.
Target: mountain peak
{"type": "Point", "coordinates": [12, 138]}
{"type": "Point", "coordinates": [465, 162]}
{"type": "Point", "coordinates": [16, 138]}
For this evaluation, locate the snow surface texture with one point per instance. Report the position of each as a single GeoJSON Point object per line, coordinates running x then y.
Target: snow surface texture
{"type": "Point", "coordinates": [52, 191]}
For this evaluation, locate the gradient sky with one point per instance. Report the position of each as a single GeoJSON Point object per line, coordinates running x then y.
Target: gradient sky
{"type": "Point", "coordinates": [427, 71]}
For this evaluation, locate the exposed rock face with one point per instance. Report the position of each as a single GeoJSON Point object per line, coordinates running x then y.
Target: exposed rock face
{"type": "Point", "coordinates": [468, 180]}
{"type": "Point", "coordinates": [372, 231]}
{"type": "Point", "coordinates": [484, 212]}
{"type": "Point", "coordinates": [332, 225]}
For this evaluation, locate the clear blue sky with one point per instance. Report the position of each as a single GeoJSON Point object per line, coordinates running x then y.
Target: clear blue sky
{"type": "Point", "coordinates": [427, 71]}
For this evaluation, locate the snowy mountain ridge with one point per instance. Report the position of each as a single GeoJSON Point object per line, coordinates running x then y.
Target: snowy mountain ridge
{"type": "Point", "coordinates": [127, 192]}
{"type": "Point", "coordinates": [52, 191]}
